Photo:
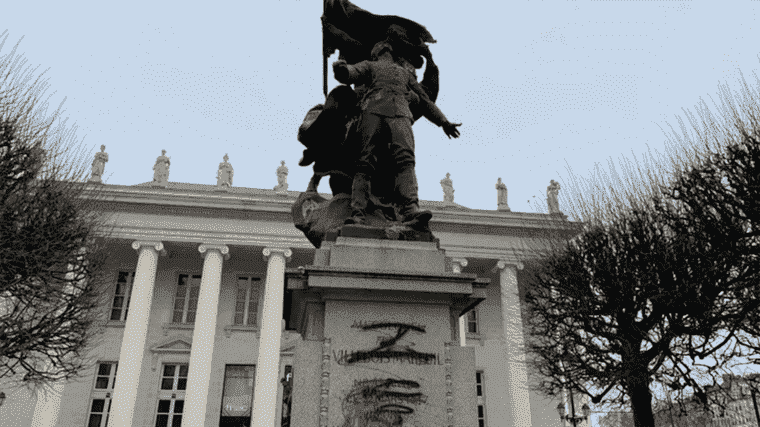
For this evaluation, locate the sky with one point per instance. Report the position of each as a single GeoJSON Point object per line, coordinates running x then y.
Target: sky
{"type": "Point", "coordinates": [541, 87]}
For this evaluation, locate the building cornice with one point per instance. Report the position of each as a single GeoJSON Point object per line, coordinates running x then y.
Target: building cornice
{"type": "Point", "coordinates": [271, 201]}
{"type": "Point", "coordinates": [257, 207]}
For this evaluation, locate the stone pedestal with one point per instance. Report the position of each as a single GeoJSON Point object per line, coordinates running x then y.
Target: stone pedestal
{"type": "Point", "coordinates": [386, 313]}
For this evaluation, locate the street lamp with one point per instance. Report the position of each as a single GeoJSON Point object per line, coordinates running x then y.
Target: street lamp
{"type": "Point", "coordinates": [573, 417]}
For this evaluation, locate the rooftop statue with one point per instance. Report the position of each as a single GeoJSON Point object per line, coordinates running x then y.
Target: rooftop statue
{"type": "Point", "coordinates": [501, 196]}
{"type": "Point", "coordinates": [225, 173]}
{"type": "Point", "coordinates": [161, 169]}
{"type": "Point", "coordinates": [282, 177]}
{"type": "Point", "coordinates": [99, 165]}
{"type": "Point", "coordinates": [552, 191]}
{"type": "Point", "coordinates": [362, 136]}
{"type": "Point", "coordinates": [448, 189]}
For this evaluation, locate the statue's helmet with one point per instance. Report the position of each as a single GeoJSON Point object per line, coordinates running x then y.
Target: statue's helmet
{"type": "Point", "coordinates": [379, 48]}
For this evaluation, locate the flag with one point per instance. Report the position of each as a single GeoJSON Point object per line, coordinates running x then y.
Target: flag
{"type": "Point", "coordinates": [354, 32]}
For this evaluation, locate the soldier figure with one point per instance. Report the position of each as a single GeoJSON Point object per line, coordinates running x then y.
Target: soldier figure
{"type": "Point", "coordinates": [386, 121]}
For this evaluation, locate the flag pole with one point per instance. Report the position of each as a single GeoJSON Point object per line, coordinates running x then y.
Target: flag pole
{"type": "Point", "coordinates": [324, 52]}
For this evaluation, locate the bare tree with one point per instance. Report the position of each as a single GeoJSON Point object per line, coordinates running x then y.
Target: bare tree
{"type": "Point", "coordinates": [717, 184]}
{"type": "Point", "coordinates": [53, 241]}
{"type": "Point", "coordinates": [660, 289]}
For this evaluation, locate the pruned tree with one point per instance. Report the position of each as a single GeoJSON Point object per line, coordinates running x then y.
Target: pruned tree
{"type": "Point", "coordinates": [617, 310]}
{"type": "Point", "coordinates": [661, 289]}
{"type": "Point", "coordinates": [717, 184]}
{"type": "Point", "coordinates": [53, 240]}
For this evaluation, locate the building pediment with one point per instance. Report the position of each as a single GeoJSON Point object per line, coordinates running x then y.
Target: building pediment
{"type": "Point", "coordinates": [173, 345]}
{"type": "Point", "coordinates": [173, 349]}
{"type": "Point", "coordinates": [178, 345]}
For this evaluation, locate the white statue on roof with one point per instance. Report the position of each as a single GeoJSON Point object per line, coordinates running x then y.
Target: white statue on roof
{"type": "Point", "coordinates": [501, 196]}
{"type": "Point", "coordinates": [448, 189]}
{"type": "Point", "coordinates": [225, 173]}
{"type": "Point", "coordinates": [551, 197]}
{"type": "Point", "coordinates": [99, 165]}
{"type": "Point", "coordinates": [282, 177]}
{"type": "Point", "coordinates": [161, 169]}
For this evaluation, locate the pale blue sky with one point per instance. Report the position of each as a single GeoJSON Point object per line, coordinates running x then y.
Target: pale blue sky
{"type": "Point", "coordinates": [538, 84]}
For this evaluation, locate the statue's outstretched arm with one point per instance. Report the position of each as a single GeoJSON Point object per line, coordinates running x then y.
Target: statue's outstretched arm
{"type": "Point", "coordinates": [348, 74]}
{"type": "Point", "coordinates": [433, 113]}
{"type": "Point", "coordinates": [428, 108]}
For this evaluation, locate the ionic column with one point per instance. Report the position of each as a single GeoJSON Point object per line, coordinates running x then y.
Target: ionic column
{"type": "Point", "coordinates": [518, 398]}
{"type": "Point", "coordinates": [268, 365]}
{"type": "Point", "coordinates": [199, 373]}
{"type": "Point", "coordinates": [457, 264]}
{"type": "Point", "coordinates": [135, 331]}
{"type": "Point", "coordinates": [48, 405]}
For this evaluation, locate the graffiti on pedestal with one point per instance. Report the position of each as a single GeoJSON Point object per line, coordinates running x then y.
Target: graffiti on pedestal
{"type": "Point", "coordinates": [381, 402]}
{"type": "Point", "coordinates": [394, 345]}
{"type": "Point", "coordinates": [384, 402]}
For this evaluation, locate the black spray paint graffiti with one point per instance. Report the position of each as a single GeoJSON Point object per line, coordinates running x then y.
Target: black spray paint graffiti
{"type": "Point", "coordinates": [380, 402]}
{"type": "Point", "coordinates": [384, 402]}
{"type": "Point", "coordinates": [390, 348]}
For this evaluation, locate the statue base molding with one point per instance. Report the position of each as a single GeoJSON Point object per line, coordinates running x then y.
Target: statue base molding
{"type": "Point", "coordinates": [323, 220]}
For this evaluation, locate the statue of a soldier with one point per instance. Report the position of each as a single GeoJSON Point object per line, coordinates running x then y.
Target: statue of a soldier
{"type": "Point", "coordinates": [386, 121]}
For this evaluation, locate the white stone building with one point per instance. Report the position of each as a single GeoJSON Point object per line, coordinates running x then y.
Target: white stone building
{"type": "Point", "coordinates": [195, 272]}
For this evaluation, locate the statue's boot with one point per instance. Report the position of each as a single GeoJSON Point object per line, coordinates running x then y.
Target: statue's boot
{"type": "Point", "coordinates": [360, 190]}
{"type": "Point", "coordinates": [406, 185]}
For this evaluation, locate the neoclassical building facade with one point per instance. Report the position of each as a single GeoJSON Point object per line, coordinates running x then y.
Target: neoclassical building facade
{"type": "Point", "coordinates": [198, 329]}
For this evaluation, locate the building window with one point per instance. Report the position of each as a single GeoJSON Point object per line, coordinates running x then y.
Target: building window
{"type": "Point", "coordinates": [186, 298]}
{"type": "Point", "coordinates": [122, 295]}
{"type": "Point", "coordinates": [171, 396]}
{"type": "Point", "coordinates": [481, 392]}
{"type": "Point", "coordinates": [237, 396]}
{"type": "Point", "coordinates": [247, 302]}
{"type": "Point", "coordinates": [100, 406]}
{"type": "Point", "coordinates": [472, 322]}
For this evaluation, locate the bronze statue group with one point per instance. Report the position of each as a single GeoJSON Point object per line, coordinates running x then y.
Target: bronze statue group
{"type": "Point", "coordinates": [362, 136]}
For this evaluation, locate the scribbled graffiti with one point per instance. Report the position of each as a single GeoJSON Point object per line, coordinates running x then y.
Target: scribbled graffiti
{"type": "Point", "coordinates": [391, 347]}
{"type": "Point", "coordinates": [384, 402]}
{"type": "Point", "coordinates": [381, 402]}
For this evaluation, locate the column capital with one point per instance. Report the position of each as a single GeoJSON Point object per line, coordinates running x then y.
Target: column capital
{"type": "Point", "coordinates": [503, 263]}
{"type": "Point", "coordinates": [457, 264]}
{"type": "Point", "coordinates": [206, 247]}
{"type": "Point", "coordinates": [158, 246]}
{"type": "Point", "coordinates": [286, 252]}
